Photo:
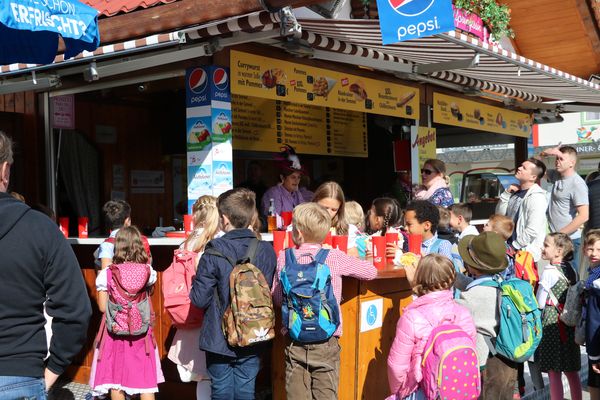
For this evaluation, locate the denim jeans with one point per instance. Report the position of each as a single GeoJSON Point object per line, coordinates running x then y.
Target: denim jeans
{"type": "Point", "coordinates": [22, 388]}
{"type": "Point", "coordinates": [232, 378]}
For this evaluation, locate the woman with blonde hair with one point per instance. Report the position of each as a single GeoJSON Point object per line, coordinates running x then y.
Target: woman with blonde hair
{"type": "Point", "coordinates": [435, 184]}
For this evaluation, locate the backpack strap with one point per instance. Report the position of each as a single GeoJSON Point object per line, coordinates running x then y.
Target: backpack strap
{"type": "Point", "coordinates": [290, 257]}
{"type": "Point", "coordinates": [321, 256]}
{"type": "Point", "coordinates": [489, 340]}
{"type": "Point", "coordinates": [249, 257]}
{"type": "Point", "coordinates": [435, 246]}
{"type": "Point", "coordinates": [217, 253]}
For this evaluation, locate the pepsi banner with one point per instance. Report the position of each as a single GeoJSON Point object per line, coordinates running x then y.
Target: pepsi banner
{"type": "Point", "coordinates": [401, 20]}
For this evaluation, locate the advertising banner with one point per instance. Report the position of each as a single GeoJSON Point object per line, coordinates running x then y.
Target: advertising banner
{"type": "Point", "coordinates": [455, 111]}
{"type": "Point", "coordinates": [209, 130]}
{"type": "Point", "coordinates": [422, 148]}
{"type": "Point", "coordinates": [401, 20]}
{"type": "Point", "coordinates": [274, 79]}
{"type": "Point", "coordinates": [264, 125]}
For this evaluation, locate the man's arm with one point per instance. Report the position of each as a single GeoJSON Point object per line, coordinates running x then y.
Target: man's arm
{"type": "Point", "coordinates": [505, 196]}
{"type": "Point", "coordinates": [583, 214]}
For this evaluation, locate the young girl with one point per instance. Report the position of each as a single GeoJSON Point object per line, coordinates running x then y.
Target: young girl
{"type": "Point", "coordinates": [125, 364]}
{"type": "Point", "coordinates": [384, 216]}
{"type": "Point", "coordinates": [190, 360]}
{"type": "Point", "coordinates": [355, 215]}
{"type": "Point", "coordinates": [331, 196]}
{"type": "Point", "coordinates": [557, 351]}
{"type": "Point", "coordinates": [433, 281]}
{"type": "Point", "coordinates": [591, 311]}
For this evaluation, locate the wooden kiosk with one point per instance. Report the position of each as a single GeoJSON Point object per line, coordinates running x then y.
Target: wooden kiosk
{"type": "Point", "coordinates": [363, 371]}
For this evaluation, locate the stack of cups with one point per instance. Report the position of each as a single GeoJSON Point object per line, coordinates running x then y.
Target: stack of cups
{"type": "Point", "coordinates": [63, 223]}
{"type": "Point", "coordinates": [379, 259]}
{"type": "Point", "coordinates": [340, 242]}
{"type": "Point", "coordinates": [82, 227]}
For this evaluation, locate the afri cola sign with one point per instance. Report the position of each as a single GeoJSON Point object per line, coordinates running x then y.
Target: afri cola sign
{"type": "Point", "coordinates": [401, 20]}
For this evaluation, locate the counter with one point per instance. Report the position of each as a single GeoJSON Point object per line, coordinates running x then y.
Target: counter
{"type": "Point", "coordinates": [363, 372]}
{"type": "Point", "coordinates": [163, 241]}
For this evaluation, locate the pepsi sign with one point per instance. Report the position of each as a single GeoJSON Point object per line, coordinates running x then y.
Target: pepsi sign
{"type": "Point", "coordinates": [401, 20]}
{"type": "Point", "coordinates": [205, 84]}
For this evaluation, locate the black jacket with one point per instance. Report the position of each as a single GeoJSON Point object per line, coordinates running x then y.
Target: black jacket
{"type": "Point", "coordinates": [213, 272]}
{"type": "Point", "coordinates": [37, 263]}
{"type": "Point", "coordinates": [594, 196]}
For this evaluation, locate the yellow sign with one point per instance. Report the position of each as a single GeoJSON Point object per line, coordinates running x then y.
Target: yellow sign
{"type": "Point", "coordinates": [470, 114]}
{"type": "Point", "coordinates": [270, 78]}
{"type": "Point", "coordinates": [423, 147]}
{"type": "Point", "coordinates": [265, 125]}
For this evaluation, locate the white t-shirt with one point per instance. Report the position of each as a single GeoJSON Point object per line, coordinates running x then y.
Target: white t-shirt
{"type": "Point", "coordinates": [550, 277]}
{"type": "Point", "coordinates": [469, 230]}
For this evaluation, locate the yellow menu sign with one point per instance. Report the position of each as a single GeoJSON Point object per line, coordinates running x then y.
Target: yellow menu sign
{"type": "Point", "coordinates": [471, 114]}
{"type": "Point", "coordinates": [265, 125]}
{"type": "Point", "coordinates": [271, 78]}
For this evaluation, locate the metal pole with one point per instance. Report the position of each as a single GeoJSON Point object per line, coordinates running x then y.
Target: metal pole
{"type": "Point", "coordinates": [50, 156]}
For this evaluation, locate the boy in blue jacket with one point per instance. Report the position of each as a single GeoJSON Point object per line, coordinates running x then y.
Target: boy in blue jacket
{"type": "Point", "coordinates": [232, 370]}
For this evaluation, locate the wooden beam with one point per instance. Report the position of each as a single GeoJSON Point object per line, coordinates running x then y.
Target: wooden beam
{"type": "Point", "coordinates": [180, 14]}
{"type": "Point", "coordinates": [591, 28]}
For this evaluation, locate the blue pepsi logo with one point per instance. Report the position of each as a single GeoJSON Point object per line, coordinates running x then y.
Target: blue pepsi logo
{"type": "Point", "coordinates": [411, 8]}
{"type": "Point", "coordinates": [197, 81]}
{"type": "Point", "coordinates": [220, 78]}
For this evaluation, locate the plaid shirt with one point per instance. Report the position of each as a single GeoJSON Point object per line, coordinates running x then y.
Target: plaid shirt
{"type": "Point", "coordinates": [339, 263]}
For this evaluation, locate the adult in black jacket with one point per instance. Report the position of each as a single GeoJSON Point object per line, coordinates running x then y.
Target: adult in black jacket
{"type": "Point", "coordinates": [594, 195]}
{"type": "Point", "coordinates": [37, 266]}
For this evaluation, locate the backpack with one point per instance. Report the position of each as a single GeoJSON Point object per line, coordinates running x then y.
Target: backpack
{"type": "Point", "coordinates": [176, 286]}
{"type": "Point", "coordinates": [520, 324]}
{"type": "Point", "coordinates": [129, 309]}
{"type": "Point", "coordinates": [525, 268]}
{"type": "Point", "coordinates": [450, 362]}
{"type": "Point", "coordinates": [250, 316]}
{"type": "Point", "coordinates": [572, 309]}
{"type": "Point", "coordinates": [309, 311]}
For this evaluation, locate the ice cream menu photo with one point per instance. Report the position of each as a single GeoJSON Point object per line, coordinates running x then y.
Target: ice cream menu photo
{"type": "Point", "coordinates": [274, 79]}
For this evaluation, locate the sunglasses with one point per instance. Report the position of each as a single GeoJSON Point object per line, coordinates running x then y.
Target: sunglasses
{"type": "Point", "coordinates": [426, 171]}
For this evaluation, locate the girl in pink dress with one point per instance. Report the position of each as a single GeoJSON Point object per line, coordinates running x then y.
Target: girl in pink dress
{"type": "Point", "coordinates": [125, 364]}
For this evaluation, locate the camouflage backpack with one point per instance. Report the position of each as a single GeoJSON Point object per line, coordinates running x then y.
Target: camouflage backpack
{"type": "Point", "coordinates": [250, 317]}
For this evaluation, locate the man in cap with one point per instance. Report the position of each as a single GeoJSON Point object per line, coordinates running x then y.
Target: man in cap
{"type": "Point", "coordinates": [37, 266]}
{"type": "Point", "coordinates": [485, 256]}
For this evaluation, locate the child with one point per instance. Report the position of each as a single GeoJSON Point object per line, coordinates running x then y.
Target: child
{"type": "Point", "coordinates": [444, 231]}
{"type": "Point", "coordinates": [592, 311]}
{"type": "Point", "coordinates": [117, 214]}
{"type": "Point", "coordinates": [125, 364]}
{"type": "Point", "coordinates": [320, 360]}
{"type": "Point", "coordinates": [331, 196]}
{"type": "Point", "coordinates": [355, 215]}
{"type": "Point", "coordinates": [460, 219]}
{"type": "Point", "coordinates": [433, 281]}
{"type": "Point", "coordinates": [503, 226]}
{"type": "Point", "coordinates": [422, 218]}
{"type": "Point", "coordinates": [557, 352]}
{"type": "Point", "coordinates": [190, 360]}
{"type": "Point", "coordinates": [384, 216]}
{"type": "Point", "coordinates": [485, 256]}
{"type": "Point", "coordinates": [232, 370]}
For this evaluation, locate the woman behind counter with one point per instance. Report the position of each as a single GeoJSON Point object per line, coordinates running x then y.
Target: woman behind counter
{"type": "Point", "coordinates": [435, 186]}
{"type": "Point", "coordinates": [285, 194]}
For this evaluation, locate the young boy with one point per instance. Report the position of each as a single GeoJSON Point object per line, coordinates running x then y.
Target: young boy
{"type": "Point", "coordinates": [485, 255]}
{"type": "Point", "coordinates": [232, 370]}
{"type": "Point", "coordinates": [422, 218]}
{"type": "Point", "coordinates": [460, 219]}
{"type": "Point", "coordinates": [321, 361]}
{"type": "Point", "coordinates": [503, 226]}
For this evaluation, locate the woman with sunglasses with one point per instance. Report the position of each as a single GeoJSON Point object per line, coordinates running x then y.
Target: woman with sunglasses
{"type": "Point", "coordinates": [435, 185]}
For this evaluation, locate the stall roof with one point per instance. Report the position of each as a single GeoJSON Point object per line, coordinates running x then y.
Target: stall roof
{"type": "Point", "coordinates": [113, 7]}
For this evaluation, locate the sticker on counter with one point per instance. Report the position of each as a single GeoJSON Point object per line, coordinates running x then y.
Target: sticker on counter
{"type": "Point", "coordinates": [371, 314]}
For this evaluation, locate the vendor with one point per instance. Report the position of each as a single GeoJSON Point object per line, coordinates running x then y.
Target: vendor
{"type": "Point", "coordinates": [435, 184]}
{"type": "Point", "coordinates": [285, 194]}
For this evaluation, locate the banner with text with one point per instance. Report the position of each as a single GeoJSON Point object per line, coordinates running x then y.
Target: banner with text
{"type": "Point", "coordinates": [264, 125]}
{"type": "Point", "coordinates": [423, 147]}
{"type": "Point", "coordinates": [455, 111]}
{"type": "Point", "coordinates": [275, 79]}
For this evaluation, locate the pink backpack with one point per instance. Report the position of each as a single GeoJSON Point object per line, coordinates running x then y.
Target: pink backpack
{"type": "Point", "coordinates": [176, 286]}
{"type": "Point", "coordinates": [450, 366]}
{"type": "Point", "coordinates": [129, 309]}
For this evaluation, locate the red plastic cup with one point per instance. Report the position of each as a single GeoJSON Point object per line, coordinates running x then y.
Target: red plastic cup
{"type": "Point", "coordinates": [290, 237]}
{"type": "Point", "coordinates": [340, 242]}
{"type": "Point", "coordinates": [414, 243]}
{"type": "Point", "coordinates": [63, 223]}
{"type": "Point", "coordinates": [188, 223]}
{"type": "Point", "coordinates": [379, 259]}
{"type": "Point", "coordinates": [328, 239]}
{"type": "Point", "coordinates": [279, 241]}
{"type": "Point", "coordinates": [82, 227]}
{"type": "Point", "coordinates": [286, 217]}
{"type": "Point", "coordinates": [391, 238]}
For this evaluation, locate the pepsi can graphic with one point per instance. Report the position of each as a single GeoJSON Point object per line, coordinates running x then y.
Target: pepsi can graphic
{"type": "Point", "coordinates": [220, 89]}
{"type": "Point", "coordinates": [197, 88]}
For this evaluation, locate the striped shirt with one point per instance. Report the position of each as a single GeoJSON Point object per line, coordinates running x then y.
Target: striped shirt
{"type": "Point", "coordinates": [339, 263]}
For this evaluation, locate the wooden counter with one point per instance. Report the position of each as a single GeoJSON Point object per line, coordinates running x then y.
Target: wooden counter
{"type": "Point", "coordinates": [363, 371]}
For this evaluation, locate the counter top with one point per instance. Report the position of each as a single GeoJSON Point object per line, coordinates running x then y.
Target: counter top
{"type": "Point", "coordinates": [391, 271]}
{"type": "Point", "coordinates": [152, 241]}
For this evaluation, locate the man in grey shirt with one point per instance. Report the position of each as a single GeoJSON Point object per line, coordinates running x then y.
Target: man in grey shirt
{"type": "Point", "coordinates": [569, 203]}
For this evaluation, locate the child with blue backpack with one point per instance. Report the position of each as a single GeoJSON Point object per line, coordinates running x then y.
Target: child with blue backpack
{"type": "Point", "coordinates": [429, 328]}
{"type": "Point", "coordinates": [308, 286]}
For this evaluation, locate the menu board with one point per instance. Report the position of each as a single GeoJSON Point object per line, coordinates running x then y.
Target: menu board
{"type": "Point", "coordinates": [265, 125]}
{"type": "Point", "coordinates": [471, 114]}
{"type": "Point", "coordinates": [271, 78]}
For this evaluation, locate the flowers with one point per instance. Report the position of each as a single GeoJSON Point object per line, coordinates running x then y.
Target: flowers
{"type": "Point", "coordinates": [495, 16]}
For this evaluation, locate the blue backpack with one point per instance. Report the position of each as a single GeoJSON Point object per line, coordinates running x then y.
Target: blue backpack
{"type": "Point", "coordinates": [520, 325]}
{"type": "Point", "coordinates": [309, 311]}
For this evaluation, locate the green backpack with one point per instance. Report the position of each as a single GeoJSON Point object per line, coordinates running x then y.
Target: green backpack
{"type": "Point", "coordinates": [250, 317]}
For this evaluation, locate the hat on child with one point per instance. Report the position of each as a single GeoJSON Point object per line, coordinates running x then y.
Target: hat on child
{"type": "Point", "coordinates": [485, 252]}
